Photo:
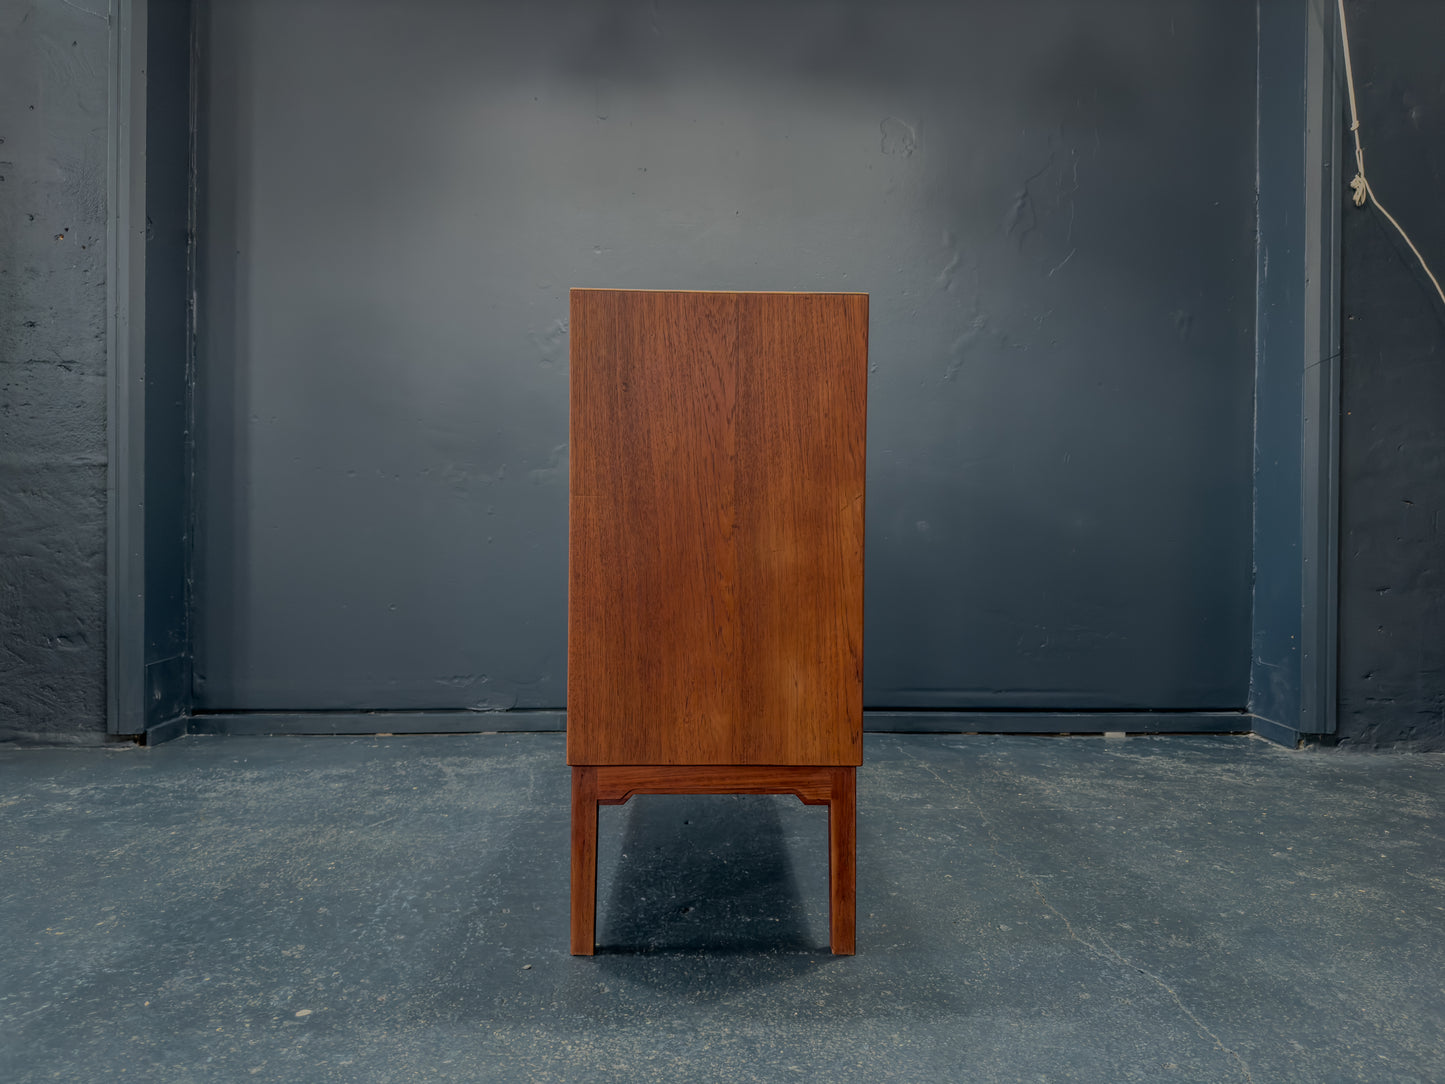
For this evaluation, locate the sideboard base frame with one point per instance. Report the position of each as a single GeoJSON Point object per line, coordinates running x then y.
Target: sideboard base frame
{"type": "Point", "coordinates": [594, 785]}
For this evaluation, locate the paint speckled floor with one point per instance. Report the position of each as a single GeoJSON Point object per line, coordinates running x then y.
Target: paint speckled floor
{"type": "Point", "coordinates": [1030, 909]}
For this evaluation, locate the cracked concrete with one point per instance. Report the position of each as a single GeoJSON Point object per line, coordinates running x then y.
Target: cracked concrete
{"type": "Point", "coordinates": [383, 909]}
{"type": "Point", "coordinates": [1107, 952]}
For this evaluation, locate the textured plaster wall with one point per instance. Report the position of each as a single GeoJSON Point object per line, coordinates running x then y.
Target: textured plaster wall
{"type": "Point", "coordinates": [1392, 546]}
{"type": "Point", "coordinates": [53, 79]}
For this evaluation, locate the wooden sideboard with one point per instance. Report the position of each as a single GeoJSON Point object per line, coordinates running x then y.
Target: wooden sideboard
{"type": "Point", "coordinates": [715, 580]}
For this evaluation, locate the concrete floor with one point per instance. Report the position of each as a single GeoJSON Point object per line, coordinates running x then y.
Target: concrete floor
{"type": "Point", "coordinates": [1030, 909]}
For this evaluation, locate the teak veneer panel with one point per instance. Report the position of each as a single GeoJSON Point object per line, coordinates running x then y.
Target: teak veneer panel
{"type": "Point", "coordinates": [613, 785]}
{"type": "Point", "coordinates": [715, 583]}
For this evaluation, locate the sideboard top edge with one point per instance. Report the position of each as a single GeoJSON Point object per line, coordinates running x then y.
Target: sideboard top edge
{"type": "Point", "coordinates": [786, 293]}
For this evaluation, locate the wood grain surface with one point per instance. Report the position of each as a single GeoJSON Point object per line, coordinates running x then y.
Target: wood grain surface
{"type": "Point", "coordinates": [715, 589]}
{"type": "Point", "coordinates": [615, 784]}
{"type": "Point", "coordinates": [843, 862]}
{"type": "Point", "coordinates": [835, 787]}
{"type": "Point", "coordinates": [584, 861]}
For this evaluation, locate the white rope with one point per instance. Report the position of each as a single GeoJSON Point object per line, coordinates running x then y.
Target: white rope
{"type": "Point", "coordinates": [1359, 185]}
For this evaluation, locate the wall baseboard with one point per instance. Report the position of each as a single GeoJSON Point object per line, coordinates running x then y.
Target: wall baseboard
{"type": "Point", "coordinates": [1056, 722]}
{"type": "Point", "coordinates": [1275, 732]}
{"type": "Point", "coordinates": [375, 722]}
{"type": "Point", "coordinates": [885, 722]}
{"type": "Point", "coordinates": [177, 727]}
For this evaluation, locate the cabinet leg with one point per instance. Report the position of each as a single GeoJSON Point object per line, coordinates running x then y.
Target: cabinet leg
{"type": "Point", "coordinates": [843, 861]}
{"type": "Point", "coordinates": [584, 861]}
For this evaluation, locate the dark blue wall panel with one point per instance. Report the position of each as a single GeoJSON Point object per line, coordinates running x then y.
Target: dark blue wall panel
{"type": "Point", "coordinates": [167, 689]}
{"type": "Point", "coordinates": [1275, 656]}
{"type": "Point", "coordinates": [1051, 204]}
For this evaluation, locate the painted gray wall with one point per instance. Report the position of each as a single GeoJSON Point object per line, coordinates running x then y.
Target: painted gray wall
{"type": "Point", "coordinates": [1051, 204]}
{"type": "Point", "coordinates": [52, 383]}
{"type": "Point", "coordinates": [1392, 577]}
{"type": "Point", "coordinates": [53, 99]}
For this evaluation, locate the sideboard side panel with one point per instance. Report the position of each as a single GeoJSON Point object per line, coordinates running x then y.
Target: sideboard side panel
{"type": "Point", "coordinates": [716, 531]}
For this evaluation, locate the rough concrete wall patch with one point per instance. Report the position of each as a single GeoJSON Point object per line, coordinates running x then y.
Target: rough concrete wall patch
{"type": "Point", "coordinates": [53, 80]}
{"type": "Point", "coordinates": [1392, 503]}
